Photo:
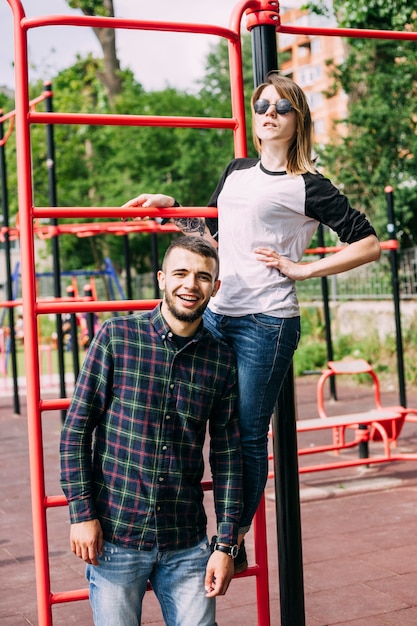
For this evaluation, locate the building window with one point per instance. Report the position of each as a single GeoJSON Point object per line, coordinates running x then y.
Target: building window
{"type": "Point", "coordinates": [315, 45]}
{"type": "Point", "coordinates": [319, 127]}
{"type": "Point", "coordinates": [308, 74]}
{"type": "Point", "coordinates": [315, 100]}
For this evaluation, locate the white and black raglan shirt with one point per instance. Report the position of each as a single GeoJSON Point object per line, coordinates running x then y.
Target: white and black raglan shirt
{"type": "Point", "coordinates": [257, 207]}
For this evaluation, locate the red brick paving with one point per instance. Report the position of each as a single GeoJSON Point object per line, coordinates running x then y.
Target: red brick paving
{"type": "Point", "coordinates": [358, 525]}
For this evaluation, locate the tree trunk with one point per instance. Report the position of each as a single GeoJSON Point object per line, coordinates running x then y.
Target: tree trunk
{"type": "Point", "coordinates": [110, 77]}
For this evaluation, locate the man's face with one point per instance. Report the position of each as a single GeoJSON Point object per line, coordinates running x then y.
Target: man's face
{"type": "Point", "coordinates": [188, 281]}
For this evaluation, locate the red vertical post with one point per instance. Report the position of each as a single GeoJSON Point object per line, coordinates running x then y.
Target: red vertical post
{"type": "Point", "coordinates": [261, 557]}
{"type": "Point", "coordinates": [25, 201]}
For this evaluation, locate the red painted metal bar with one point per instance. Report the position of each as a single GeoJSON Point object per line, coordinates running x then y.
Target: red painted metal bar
{"type": "Point", "coordinates": [107, 119]}
{"type": "Point", "coordinates": [122, 212]}
{"type": "Point", "coordinates": [96, 21]}
{"type": "Point", "coordinates": [24, 190]}
{"type": "Point", "coordinates": [98, 306]}
{"type": "Point", "coordinates": [348, 32]}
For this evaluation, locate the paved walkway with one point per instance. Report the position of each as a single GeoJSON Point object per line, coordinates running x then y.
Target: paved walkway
{"type": "Point", "coordinates": [358, 526]}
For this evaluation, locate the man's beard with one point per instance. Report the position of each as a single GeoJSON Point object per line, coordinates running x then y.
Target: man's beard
{"type": "Point", "coordinates": [183, 316]}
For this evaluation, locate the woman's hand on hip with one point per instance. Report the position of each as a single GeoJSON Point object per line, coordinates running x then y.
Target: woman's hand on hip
{"type": "Point", "coordinates": [270, 258]}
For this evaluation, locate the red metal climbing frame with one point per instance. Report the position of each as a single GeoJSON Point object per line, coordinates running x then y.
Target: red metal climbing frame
{"type": "Point", "coordinates": [29, 215]}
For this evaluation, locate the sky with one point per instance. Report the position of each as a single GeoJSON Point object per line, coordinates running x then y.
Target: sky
{"type": "Point", "coordinates": [158, 60]}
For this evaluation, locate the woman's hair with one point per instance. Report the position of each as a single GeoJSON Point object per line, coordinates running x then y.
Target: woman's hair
{"type": "Point", "coordinates": [299, 155]}
{"type": "Point", "coordinates": [198, 245]}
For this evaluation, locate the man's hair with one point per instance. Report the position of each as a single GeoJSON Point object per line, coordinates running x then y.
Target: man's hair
{"type": "Point", "coordinates": [198, 245]}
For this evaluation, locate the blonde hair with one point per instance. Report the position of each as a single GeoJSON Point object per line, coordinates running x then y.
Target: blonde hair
{"type": "Point", "coordinates": [300, 153]}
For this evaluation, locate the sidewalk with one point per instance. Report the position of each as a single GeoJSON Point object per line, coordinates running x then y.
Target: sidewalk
{"type": "Point", "coordinates": [358, 527]}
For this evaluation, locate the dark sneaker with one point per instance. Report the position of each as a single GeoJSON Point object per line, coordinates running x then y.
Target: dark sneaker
{"type": "Point", "coordinates": [241, 561]}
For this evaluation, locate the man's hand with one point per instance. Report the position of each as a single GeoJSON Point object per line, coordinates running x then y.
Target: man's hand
{"type": "Point", "coordinates": [87, 540]}
{"type": "Point", "coordinates": [219, 573]}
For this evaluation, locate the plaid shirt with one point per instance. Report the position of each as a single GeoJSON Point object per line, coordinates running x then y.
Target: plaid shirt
{"type": "Point", "coordinates": [143, 405]}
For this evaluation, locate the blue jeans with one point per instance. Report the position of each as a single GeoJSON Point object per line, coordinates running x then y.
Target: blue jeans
{"type": "Point", "coordinates": [118, 584]}
{"type": "Point", "coordinates": [264, 347]}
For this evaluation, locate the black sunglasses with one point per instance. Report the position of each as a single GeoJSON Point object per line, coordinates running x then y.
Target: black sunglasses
{"type": "Point", "coordinates": [283, 106]}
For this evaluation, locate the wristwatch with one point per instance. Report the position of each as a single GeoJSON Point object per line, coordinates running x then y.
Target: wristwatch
{"type": "Point", "coordinates": [232, 551]}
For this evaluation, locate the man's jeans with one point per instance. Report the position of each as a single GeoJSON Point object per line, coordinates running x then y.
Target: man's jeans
{"type": "Point", "coordinates": [118, 584]}
{"type": "Point", "coordinates": [264, 347]}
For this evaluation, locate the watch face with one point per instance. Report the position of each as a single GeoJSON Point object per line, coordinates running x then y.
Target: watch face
{"type": "Point", "coordinates": [234, 551]}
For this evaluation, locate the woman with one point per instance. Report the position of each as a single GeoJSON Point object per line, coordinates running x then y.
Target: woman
{"type": "Point", "coordinates": [268, 211]}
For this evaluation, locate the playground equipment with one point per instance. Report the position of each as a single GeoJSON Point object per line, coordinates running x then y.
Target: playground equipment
{"type": "Point", "coordinates": [379, 425]}
{"type": "Point", "coordinates": [35, 307]}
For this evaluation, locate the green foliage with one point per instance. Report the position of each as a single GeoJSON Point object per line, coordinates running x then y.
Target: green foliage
{"type": "Point", "coordinates": [92, 7]}
{"type": "Point", "coordinates": [311, 354]}
{"type": "Point", "coordinates": [375, 14]}
{"type": "Point", "coordinates": [107, 165]}
{"type": "Point", "coordinates": [379, 145]}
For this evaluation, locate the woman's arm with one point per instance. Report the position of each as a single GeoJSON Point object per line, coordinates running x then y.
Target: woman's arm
{"type": "Point", "coordinates": [351, 256]}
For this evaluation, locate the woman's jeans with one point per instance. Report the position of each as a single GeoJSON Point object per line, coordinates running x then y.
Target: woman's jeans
{"type": "Point", "coordinates": [264, 347]}
{"type": "Point", "coordinates": [118, 584]}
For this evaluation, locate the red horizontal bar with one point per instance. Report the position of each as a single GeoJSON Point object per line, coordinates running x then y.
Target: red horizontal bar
{"type": "Point", "coordinates": [69, 596]}
{"type": "Point", "coordinates": [97, 21]}
{"type": "Point", "coordinates": [55, 501]}
{"type": "Point", "coordinates": [122, 212]}
{"type": "Point", "coordinates": [360, 33]}
{"type": "Point", "coordinates": [57, 404]}
{"type": "Point", "coordinates": [107, 119]}
{"type": "Point", "coordinates": [390, 244]}
{"type": "Point", "coordinates": [95, 306]}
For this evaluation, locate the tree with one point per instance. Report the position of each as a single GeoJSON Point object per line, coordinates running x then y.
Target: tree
{"type": "Point", "coordinates": [110, 74]}
{"type": "Point", "coordinates": [107, 165]}
{"type": "Point", "coordinates": [378, 144]}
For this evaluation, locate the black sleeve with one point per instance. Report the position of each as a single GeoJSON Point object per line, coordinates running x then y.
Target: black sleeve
{"type": "Point", "coordinates": [327, 205]}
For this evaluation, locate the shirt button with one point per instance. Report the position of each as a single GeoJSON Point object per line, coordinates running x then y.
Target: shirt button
{"type": "Point", "coordinates": [167, 417]}
{"type": "Point", "coordinates": [172, 386]}
{"type": "Point", "coordinates": [161, 479]}
{"type": "Point", "coordinates": [170, 335]}
{"type": "Point", "coordinates": [164, 448]}
{"type": "Point", "coordinates": [158, 508]}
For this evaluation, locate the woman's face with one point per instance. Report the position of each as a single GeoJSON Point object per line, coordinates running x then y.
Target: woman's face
{"type": "Point", "coordinates": [272, 126]}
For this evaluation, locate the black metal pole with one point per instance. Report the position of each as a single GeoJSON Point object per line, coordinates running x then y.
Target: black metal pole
{"type": "Point", "coordinates": [50, 164]}
{"type": "Point", "coordinates": [264, 52]}
{"type": "Point", "coordinates": [155, 263]}
{"type": "Point", "coordinates": [88, 292]}
{"type": "Point", "coordinates": [74, 337]}
{"type": "Point", "coordinates": [128, 267]}
{"type": "Point", "coordinates": [287, 488]}
{"type": "Point", "coordinates": [5, 209]}
{"type": "Point", "coordinates": [392, 233]}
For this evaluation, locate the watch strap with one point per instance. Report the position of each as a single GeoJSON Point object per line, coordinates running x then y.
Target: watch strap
{"type": "Point", "coordinates": [231, 551]}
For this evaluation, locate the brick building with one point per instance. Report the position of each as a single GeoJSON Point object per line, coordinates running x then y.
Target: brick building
{"type": "Point", "coordinates": [308, 60]}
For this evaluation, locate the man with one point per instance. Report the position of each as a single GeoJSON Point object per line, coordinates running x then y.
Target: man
{"type": "Point", "coordinates": [132, 453]}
